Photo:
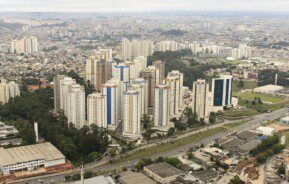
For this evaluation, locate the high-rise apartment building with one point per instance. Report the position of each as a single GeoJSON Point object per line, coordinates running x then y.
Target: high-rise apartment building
{"type": "Point", "coordinates": [8, 90]}
{"type": "Point", "coordinates": [200, 94]}
{"type": "Point", "coordinates": [135, 48]}
{"type": "Point", "coordinates": [65, 83]}
{"type": "Point", "coordinates": [121, 72]}
{"type": "Point", "coordinates": [141, 85]}
{"type": "Point", "coordinates": [161, 105]}
{"type": "Point", "coordinates": [98, 68]}
{"type": "Point", "coordinates": [132, 114]}
{"type": "Point", "coordinates": [97, 110]}
{"type": "Point", "coordinates": [245, 51]}
{"type": "Point", "coordinates": [168, 46]}
{"type": "Point", "coordinates": [76, 106]}
{"type": "Point", "coordinates": [161, 67]}
{"type": "Point", "coordinates": [151, 74]}
{"type": "Point", "coordinates": [25, 45]}
{"type": "Point", "coordinates": [176, 74]}
{"type": "Point", "coordinates": [56, 88]}
{"type": "Point", "coordinates": [113, 90]}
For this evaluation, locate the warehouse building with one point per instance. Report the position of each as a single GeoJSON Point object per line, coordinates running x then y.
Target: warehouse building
{"type": "Point", "coordinates": [265, 130]}
{"type": "Point", "coordinates": [29, 157]}
{"type": "Point", "coordinates": [162, 172]}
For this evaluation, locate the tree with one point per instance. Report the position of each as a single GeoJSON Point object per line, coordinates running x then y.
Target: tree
{"type": "Point", "coordinates": [190, 155]}
{"type": "Point", "coordinates": [180, 126]}
{"type": "Point", "coordinates": [241, 83]}
{"type": "Point", "coordinates": [171, 131]}
{"type": "Point", "coordinates": [147, 124]}
{"type": "Point", "coordinates": [173, 161]}
{"type": "Point", "coordinates": [202, 121]}
{"type": "Point", "coordinates": [281, 169]}
{"type": "Point", "coordinates": [212, 118]}
{"type": "Point", "coordinates": [143, 162]}
{"type": "Point", "coordinates": [236, 180]}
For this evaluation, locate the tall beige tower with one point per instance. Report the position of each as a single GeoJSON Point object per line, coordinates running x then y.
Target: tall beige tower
{"type": "Point", "coordinates": [200, 93]}
{"type": "Point", "coordinates": [98, 68]}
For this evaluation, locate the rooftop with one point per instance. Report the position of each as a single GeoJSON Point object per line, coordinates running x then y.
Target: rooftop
{"type": "Point", "coordinates": [130, 177]}
{"type": "Point", "coordinates": [164, 169]}
{"type": "Point", "coordinates": [21, 154]}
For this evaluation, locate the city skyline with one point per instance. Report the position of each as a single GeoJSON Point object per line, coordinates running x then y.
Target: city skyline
{"type": "Point", "coordinates": [142, 5]}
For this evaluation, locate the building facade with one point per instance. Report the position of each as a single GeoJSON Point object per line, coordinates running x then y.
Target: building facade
{"type": "Point", "coordinates": [162, 105]}
{"type": "Point", "coordinates": [76, 106]}
{"type": "Point", "coordinates": [97, 110]}
{"type": "Point", "coordinates": [200, 93]}
{"type": "Point", "coordinates": [132, 114]}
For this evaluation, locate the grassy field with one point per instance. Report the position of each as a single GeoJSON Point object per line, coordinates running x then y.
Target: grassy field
{"type": "Point", "coordinates": [239, 113]}
{"type": "Point", "coordinates": [247, 85]}
{"type": "Point", "coordinates": [168, 146]}
{"type": "Point", "coordinates": [264, 97]}
{"type": "Point", "coordinates": [252, 110]}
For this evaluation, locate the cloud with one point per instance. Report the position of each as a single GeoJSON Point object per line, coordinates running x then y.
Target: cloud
{"type": "Point", "coordinates": [142, 5]}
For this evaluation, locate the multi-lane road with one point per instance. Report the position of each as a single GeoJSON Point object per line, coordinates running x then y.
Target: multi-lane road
{"type": "Point", "coordinates": [59, 177]}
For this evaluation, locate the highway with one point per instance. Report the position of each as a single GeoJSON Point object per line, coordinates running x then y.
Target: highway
{"type": "Point", "coordinates": [59, 177]}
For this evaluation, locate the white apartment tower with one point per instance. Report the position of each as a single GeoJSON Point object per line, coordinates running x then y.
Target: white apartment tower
{"type": "Point", "coordinates": [97, 110]}
{"type": "Point", "coordinates": [141, 85]}
{"type": "Point", "coordinates": [162, 105]}
{"type": "Point", "coordinates": [76, 105]}
{"type": "Point", "coordinates": [200, 94]}
{"type": "Point", "coordinates": [8, 90]}
{"type": "Point", "coordinates": [25, 45]}
{"type": "Point", "coordinates": [113, 91]}
{"type": "Point", "coordinates": [135, 48]}
{"type": "Point", "coordinates": [64, 85]}
{"type": "Point", "coordinates": [132, 115]}
{"type": "Point", "coordinates": [175, 81]}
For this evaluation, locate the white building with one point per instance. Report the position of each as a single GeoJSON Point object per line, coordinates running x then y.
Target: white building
{"type": "Point", "coordinates": [121, 72]}
{"type": "Point", "coordinates": [175, 81]}
{"type": "Point", "coordinates": [132, 115]}
{"type": "Point", "coordinates": [168, 46]}
{"type": "Point", "coordinates": [151, 74]}
{"type": "Point", "coordinates": [29, 157]}
{"type": "Point", "coordinates": [200, 93]}
{"type": "Point", "coordinates": [113, 90]}
{"type": "Point", "coordinates": [97, 110]}
{"type": "Point", "coordinates": [141, 85]}
{"type": "Point", "coordinates": [25, 45]}
{"type": "Point", "coordinates": [162, 105]}
{"type": "Point", "coordinates": [136, 66]}
{"type": "Point", "coordinates": [7, 131]}
{"type": "Point", "coordinates": [8, 90]}
{"type": "Point", "coordinates": [65, 83]}
{"type": "Point", "coordinates": [268, 131]}
{"type": "Point", "coordinates": [269, 89]}
{"type": "Point", "coordinates": [245, 51]}
{"type": "Point", "coordinates": [76, 105]}
{"type": "Point", "coordinates": [135, 48]}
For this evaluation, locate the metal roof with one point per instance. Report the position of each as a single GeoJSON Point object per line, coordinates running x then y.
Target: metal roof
{"type": "Point", "coordinates": [21, 154]}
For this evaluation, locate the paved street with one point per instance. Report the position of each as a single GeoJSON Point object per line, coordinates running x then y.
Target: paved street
{"type": "Point", "coordinates": [55, 178]}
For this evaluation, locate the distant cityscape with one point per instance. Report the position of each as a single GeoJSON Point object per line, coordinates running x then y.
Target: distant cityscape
{"type": "Point", "coordinates": [144, 98]}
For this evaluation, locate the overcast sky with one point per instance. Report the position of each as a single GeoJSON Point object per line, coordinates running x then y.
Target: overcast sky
{"type": "Point", "coordinates": [142, 5]}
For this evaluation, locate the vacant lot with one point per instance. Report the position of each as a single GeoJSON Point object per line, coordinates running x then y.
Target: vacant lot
{"type": "Point", "coordinates": [264, 97]}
